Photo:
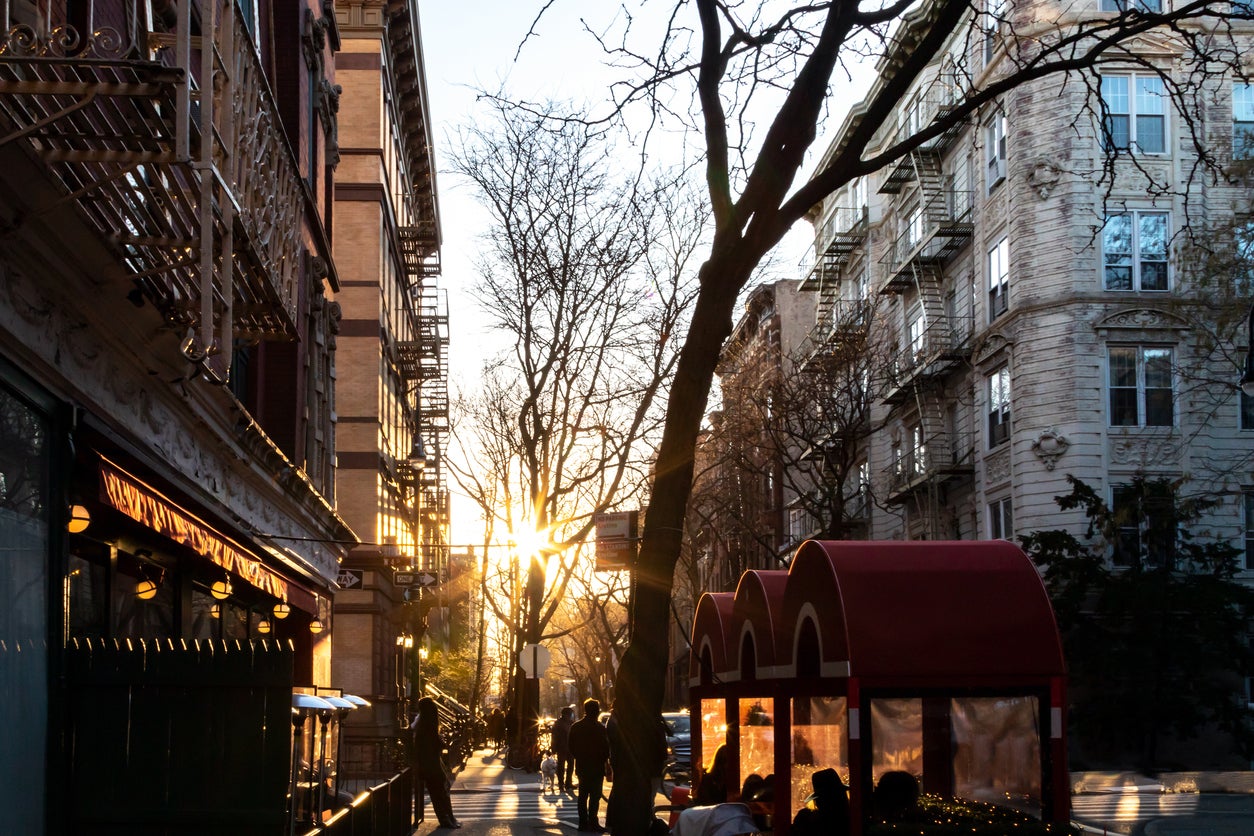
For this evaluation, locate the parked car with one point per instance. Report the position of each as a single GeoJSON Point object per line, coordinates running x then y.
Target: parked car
{"type": "Point", "coordinates": [678, 737]}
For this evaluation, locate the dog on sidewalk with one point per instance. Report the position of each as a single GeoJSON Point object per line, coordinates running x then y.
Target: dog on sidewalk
{"type": "Point", "coordinates": [548, 773]}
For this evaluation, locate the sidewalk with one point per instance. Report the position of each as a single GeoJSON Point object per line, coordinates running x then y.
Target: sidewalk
{"type": "Point", "coordinates": [485, 769]}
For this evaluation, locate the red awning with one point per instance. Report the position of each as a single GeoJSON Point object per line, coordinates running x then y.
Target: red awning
{"type": "Point", "coordinates": [940, 610]}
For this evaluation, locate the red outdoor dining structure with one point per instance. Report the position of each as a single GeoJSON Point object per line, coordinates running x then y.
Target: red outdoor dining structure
{"type": "Point", "coordinates": [940, 659]}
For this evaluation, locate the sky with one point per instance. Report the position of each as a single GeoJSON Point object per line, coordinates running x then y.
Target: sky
{"type": "Point", "coordinates": [471, 45]}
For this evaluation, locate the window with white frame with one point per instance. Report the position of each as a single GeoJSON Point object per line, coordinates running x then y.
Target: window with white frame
{"type": "Point", "coordinates": [999, 278]}
{"type": "Point", "coordinates": [1124, 5]}
{"type": "Point", "coordinates": [1134, 113]}
{"type": "Point", "coordinates": [1134, 251]}
{"type": "Point", "coordinates": [995, 11]}
{"type": "Point", "coordinates": [1243, 259]}
{"type": "Point", "coordinates": [1001, 524]}
{"type": "Point", "coordinates": [918, 450]}
{"type": "Point", "coordinates": [998, 407]}
{"type": "Point", "coordinates": [913, 231]}
{"type": "Point", "coordinates": [1140, 386]}
{"type": "Point", "coordinates": [995, 150]}
{"type": "Point", "coordinates": [1242, 120]}
{"type": "Point", "coordinates": [914, 333]}
{"type": "Point", "coordinates": [798, 524]}
{"type": "Point", "coordinates": [1145, 518]}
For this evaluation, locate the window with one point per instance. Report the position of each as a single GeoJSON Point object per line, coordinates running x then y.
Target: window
{"type": "Point", "coordinates": [1134, 114]}
{"type": "Point", "coordinates": [1248, 518]}
{"type": "Point", "coordinates": [996, 10]}
{"type": "Point", "coordinates": [913, 232]}
{"type": "Point", "coordinates": [995, 150]}
{"type": "Point", "coordinates": [915, 334]}
{"type": "Point", "coordinates": [1144, 512]}
{"type": "Point", "coordinates": [1242, 121]}
{"type": "Point", "coordinates": [918, 450]}
{"type": "Point", "coordinates": [1134, 251]}
{"type": "Point", "coordinates": [1124, 5]}
{"type": "Point", "coordinates": [998, 407]}
{"type": "Point", "coordinates": [1247, 410]}
{"type": "Point", "coordinates": [998, 278]}
{"type": "Point", "coordinates": [798, 524]}
{"type": "Point", "coordinates": [1140, 386]}
{"type": "Point", "coordinates": [1001, 524]}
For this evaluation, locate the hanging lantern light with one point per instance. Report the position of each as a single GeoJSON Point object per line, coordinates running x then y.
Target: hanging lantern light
{"type": "Point", "coordinates": [282, 610]}
{"type": "Point", "coordinates": [80, 518]}
{"type": "Point", "coordinates": [316, 626]}
{"type": "Point", "coordinates": [221, 589]}
{"type": "Point", "coordinates": [263, 626]}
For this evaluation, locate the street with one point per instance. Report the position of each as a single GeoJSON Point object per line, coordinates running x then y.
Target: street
{"type": "Point", "coordinates": [1165, 814]}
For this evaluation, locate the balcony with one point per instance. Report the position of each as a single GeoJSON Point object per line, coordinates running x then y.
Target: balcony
{"type": "Point", "coordinates": [943, 347]}
{"type": "Point", "coordinates": [942, 460]}
{"type": "Point", "coordinates": [843, 232]}
{"type": "Point", "coordinates": [199, 197]}
{"type": "Point", "coordinates": [933, 233]}
{"type": "Point", "coordinates": [934, 105]}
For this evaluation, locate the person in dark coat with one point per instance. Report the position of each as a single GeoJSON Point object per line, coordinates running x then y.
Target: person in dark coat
{"type": "Point", "coordinates": [590, 747]}
{"type": "Point", "coordinates": [561, 748]}
{"type": "Point", "coordinates": [429, 761]}
{"type": "Point", "coordinates": [713, 786]}
{"type": "Point", "coordinates": [496, 728]}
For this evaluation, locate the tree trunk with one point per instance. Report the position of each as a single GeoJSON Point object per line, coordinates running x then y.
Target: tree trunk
{"type": "Point", "coordinates": [641, 680]}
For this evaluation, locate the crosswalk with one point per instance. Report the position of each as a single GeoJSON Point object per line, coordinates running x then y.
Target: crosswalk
{"type": "Point", "coordinates": [513, 801]}
{"type": "Point", "coordinates": [1131, 808]}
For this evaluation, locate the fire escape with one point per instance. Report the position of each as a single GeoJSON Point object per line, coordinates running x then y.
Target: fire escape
{"type": "Point", "coordinates": [198, 196]}
{"type": "Point", "coordinates": [424, 369]}
{"type": "Point", "coordinates": [841, 326]}
{"type": "Point", "coordinates": [936, 223]}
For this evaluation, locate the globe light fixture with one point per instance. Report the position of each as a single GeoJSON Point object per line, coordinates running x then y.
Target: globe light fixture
{"type": "Point", "coordinates": [146, 589]}
{"type": "Point", "coordinates": [263, 626]}
{"type": "Point", "coordinates": [221, 589]}
{"type": "Point", "coordinates": [316, 626]}
{"type": "Point", "coordinates": [282, 610]}
{"type": "Point", "coordinates": [80, 518]}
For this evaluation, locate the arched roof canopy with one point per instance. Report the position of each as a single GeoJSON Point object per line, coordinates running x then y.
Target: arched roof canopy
{"type": "Point", "coordinates": [711, 625]}
{"type": "Point", "coordinates": [758, 608]}
{"type": "Point", "coordinates": [925, 610]}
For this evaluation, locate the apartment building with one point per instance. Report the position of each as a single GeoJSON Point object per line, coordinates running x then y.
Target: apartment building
{"type": "Point", "coordinates": [1036, 303]}
{"type": "Point", "coordinates": [392, 375]}
{"type": "Point", "coordinates": [170, 543]}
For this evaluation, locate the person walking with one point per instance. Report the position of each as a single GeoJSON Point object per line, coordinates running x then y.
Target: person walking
{"type": "Point", "coordinates": [560, 744]}
{"type": "Point", "coordinates": [590, 747]}
{"type": "Point", "coordinates": [432, 773]}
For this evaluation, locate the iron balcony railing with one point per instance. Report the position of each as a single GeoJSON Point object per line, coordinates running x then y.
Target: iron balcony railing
{"type": "Point", "coordinates": [945, 456]}
{"type": "Point", "coordinates": [199, 196]}
{"type": "Point", "coordinates": [930, 235]}
{"type": "Point", "coordinates": [943, 346]}
{"type": "Point", "coordinates": [934, 104]}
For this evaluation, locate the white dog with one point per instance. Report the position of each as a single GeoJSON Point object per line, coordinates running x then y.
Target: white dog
{"type": "Point", "coordinates": [548, 773]}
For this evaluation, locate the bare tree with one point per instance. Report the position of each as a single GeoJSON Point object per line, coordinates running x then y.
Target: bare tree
{"type": "Point", "coordinates": [587, 271]}
{"type": "Point", "coordinates": [734, 54]}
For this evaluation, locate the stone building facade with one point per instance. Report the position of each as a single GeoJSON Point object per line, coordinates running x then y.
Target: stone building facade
{"type": "Point", "coordinates": [392, 374]}
{"type": "Point", "coordinates": [1039, 308]}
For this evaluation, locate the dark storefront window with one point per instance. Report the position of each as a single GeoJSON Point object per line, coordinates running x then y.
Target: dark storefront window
{"type": "Point", "coordinates": [24, 516]}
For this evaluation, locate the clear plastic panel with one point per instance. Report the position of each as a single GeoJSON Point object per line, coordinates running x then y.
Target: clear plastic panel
{"type": "Point", "coordinates": [896, 736]}
{"type": "Point", "coordinates": [997, 751]}
{"type": "Point", "coordinates": [713, 729]}
{"type": "Point", "coordinates": [820, 735]}
{"type": "Point", "coordinates": [757, 738]}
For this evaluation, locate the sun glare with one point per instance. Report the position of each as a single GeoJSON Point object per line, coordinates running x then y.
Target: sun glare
{"type": "Point", "coordinates": [530, 542]}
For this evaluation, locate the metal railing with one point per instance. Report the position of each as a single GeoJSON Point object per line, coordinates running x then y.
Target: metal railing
{"type": "Point", "coordinates": [198, 196]}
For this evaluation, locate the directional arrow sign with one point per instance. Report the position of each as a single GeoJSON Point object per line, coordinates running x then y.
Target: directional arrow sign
{"type": "Point", "coordinates": [425, 579]}
{"type": "Point", "coordinates": [349, 579]}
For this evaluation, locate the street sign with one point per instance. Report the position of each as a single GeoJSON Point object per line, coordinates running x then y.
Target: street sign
{"type": "Point", "coordinates": [615, 555]}
{"type": "Point", "coordinates": [616, 540]}
{"type": "Point", "coordinates": [420, 579]}
{"type": "Point", "coordinates": [534, 660]}
{"type": "Point", "coordinates": [349, 579]}
{"type": "Point", "coordinates": [617, 525]}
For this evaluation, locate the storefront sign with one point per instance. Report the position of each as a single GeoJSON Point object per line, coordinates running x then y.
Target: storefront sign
{"type": "Point", "coordinates": [145, 505]}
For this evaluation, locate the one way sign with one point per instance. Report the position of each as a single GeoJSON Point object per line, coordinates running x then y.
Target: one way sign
{"type": "Point", "coordinates": [419, 579]}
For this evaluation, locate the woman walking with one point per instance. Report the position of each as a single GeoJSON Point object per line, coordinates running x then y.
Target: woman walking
{"type": "Point", "coordinates": [429, 762]}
